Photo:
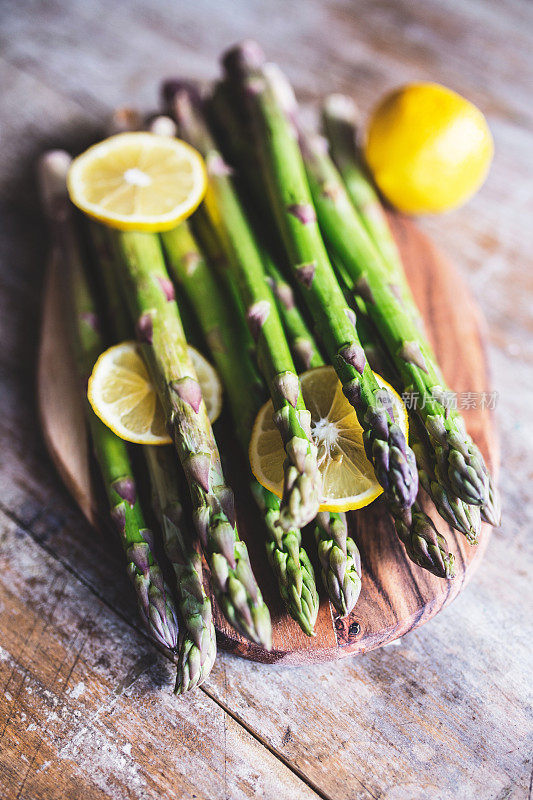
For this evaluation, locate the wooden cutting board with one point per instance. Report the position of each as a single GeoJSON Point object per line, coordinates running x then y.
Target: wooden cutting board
{"type": "Point", "coordinates": [396, 595]}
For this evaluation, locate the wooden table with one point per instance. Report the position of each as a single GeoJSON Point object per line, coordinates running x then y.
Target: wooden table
{"type": "Point", "coordinates": [86, 708]}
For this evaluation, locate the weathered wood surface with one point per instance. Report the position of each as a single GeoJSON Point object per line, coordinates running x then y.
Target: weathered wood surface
{"type": "Point", "coordinates": [396, 597]}
{"type": "Point", "coordinates": [445, 714]}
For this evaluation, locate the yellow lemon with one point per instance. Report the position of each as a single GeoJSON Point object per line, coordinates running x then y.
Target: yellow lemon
{"type": "Point", "coordinates": [138, 181]}
{"type": "Point", "coordinates": [121, 393]}
{"type": "Point", "coordinates": [428, 148]}
{"type": "Point", "coordinates": [348, 479]}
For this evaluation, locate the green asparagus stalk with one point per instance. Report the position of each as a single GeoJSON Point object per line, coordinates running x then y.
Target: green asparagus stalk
{"type": "Point", "coordinates": [340, 118]}
{"type": "Point", "coordinates": [153, 595]}
{"type": "Point", "coordinates": [459, 461]}
{"type": "Point", "coordinates": [198, 649]}
{"type": "Point", "coordinates": [351, 243]}
{"type": "Point", "coordinates": [215, 314]}
{"type": "Point", "coordinates": [338, 553]}
{"type": "Point", "coordinates": [198, 642]}
{"type": "Point", "coordinates": [301, 342]}
{"type": "Point", "coordinates": [340, 561]}
{"type": "Point", "coordinates": [229, 127]}
{"type": "Point", "coordinates": [284, 175]}
{"type": "Point", "coordinates": [213, 250]}
{"type": "Point", "coordinates": [339, 557]}
{"type": "Point", "coordinates": [301, 491]}
{"type": "Point", "coordinates": [231, 345]}
{"type": "Point", "coordinates": [150, 296]}
{"type": "Point", "coordinates": [245, 391]}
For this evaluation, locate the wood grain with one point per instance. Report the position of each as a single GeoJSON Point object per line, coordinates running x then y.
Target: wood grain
{"type": "Point", "coordinates": [396, 595]}
{"type": "Point", "coordinates": [444, 714]}
{"type": "Point", "coordinates": [76, 721]}
{"type": "Point", "coordinates": [64, 429]}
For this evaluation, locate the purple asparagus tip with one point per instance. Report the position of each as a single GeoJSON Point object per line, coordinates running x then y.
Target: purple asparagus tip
{"type": "Point", "coordinates": [243, 58]}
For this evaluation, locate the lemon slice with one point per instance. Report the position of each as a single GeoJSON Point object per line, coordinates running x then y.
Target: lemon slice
{"type": "Point", "coordinates": [122, 395]}
{"type": "Point", "coordinates": [138, 181]}
{"type": "Point", "coordinates": [348, 477]}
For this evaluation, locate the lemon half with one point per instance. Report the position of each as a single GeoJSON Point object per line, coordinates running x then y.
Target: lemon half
{"type": "Point", "coordinates": [348, 477]}
{"type": "Point", "coordinates": [121, 393]}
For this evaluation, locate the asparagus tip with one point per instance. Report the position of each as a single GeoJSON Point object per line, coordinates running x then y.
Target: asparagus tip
{"type": "Point", "coordinates": [282, 88]}
{"type": "Point", "coordinates": [52, 172]}
{"type": "Point", "coordinates": [173, 88]}
{"type": "Point", "coordinates": [343, 108]}
{"type": "Point", "coordinates": [163, 126]}
{"type": "Point", "coordinates": [242, 58]}
{"type": "Point", "coordinates": [491, 511]}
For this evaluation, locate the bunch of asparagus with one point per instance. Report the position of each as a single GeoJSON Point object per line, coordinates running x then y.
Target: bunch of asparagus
{"type": "Point", "coordinates": [256, 111]}
{"type": "Point", "coordinates": [291, 229]}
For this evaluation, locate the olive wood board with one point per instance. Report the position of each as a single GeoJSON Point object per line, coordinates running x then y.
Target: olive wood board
{"type": "Point", "coordinates": [396, 595]}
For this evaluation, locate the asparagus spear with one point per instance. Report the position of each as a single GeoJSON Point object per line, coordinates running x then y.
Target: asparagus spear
{"type": "Point", "coordinates": [338, 554]}
{"type": "Point", "coordinates": [339, 557]}
{"type": "Point", "coordinates": [153, 595]}
{"type": "Point", "coordinates": [198, 648]}
{"type": "Point", "coordinates": [198, 642]}
{"type": "Point", "coordinates": [340, 561]}
{"type": "Point", "coordinates": [340, 118]}
{"type": "Point", "coordinates": [423, 543]}
{"type": "Point", "coordinates": [460, 515]}
{"type": "Point", "coordinates": [245, 391]}
{"type": "Point", "coordinates": [150, 296]}
{"type": "Point", "coordinates": [228, 336]}
{"type": "Point", "coordinates": [284, 176]}
{"type": "Point", "coordinates": [301, 491]}
{"type": "Point", "coordinates": [229, 127]}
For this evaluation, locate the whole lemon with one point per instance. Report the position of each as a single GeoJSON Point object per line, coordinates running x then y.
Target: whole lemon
{"type": "Point", "coordinates": [428, 148]}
